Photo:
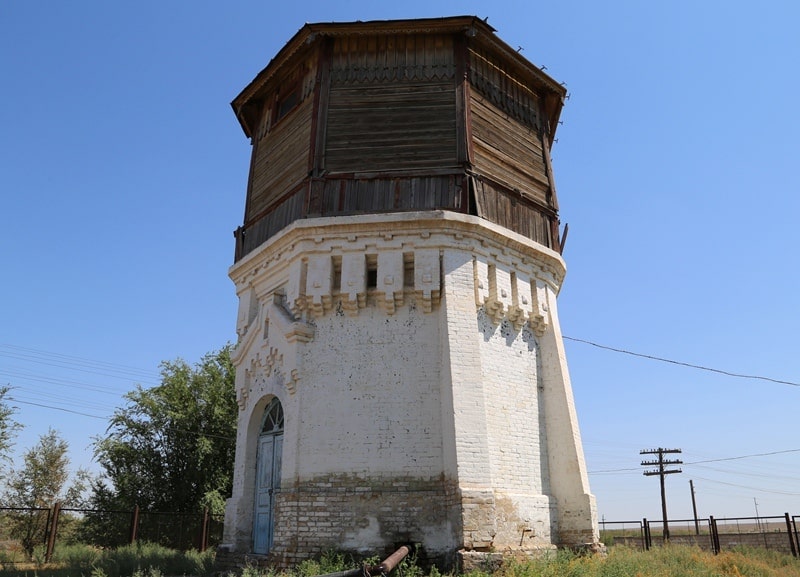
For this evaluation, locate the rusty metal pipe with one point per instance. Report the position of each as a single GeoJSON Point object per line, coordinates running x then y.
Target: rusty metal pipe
{"type": "Point", "coordinates": [388, 564]}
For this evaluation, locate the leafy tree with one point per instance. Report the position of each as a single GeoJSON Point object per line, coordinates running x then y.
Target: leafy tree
{"type": "Point", "coordinates": [8, 427]}
{"type": "Point", "coordinates": [38, 485]}
{"type": "Point", "coordinates": [171, 447]}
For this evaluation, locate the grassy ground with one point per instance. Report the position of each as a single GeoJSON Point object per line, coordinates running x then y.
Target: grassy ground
{"type": "Point", "coordinates": [152, 561]}
{"type": "Point", "coordinates": [139, 560]}
{"type": "Point", "coordinates": [663, 562]}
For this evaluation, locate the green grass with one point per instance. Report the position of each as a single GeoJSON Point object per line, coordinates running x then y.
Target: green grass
{"type": "Point", "coordinates": [677, 561]}
{"type": "Point", "coordinates": [674, 561]}
{"type": "Point", "coordinates": [146, 560]}
{"type": "Point", "coordinates": [139, 560]}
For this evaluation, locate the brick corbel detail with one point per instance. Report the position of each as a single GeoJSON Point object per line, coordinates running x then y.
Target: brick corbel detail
{"type": "Point", "coordinates": [427, 278]}
{"type": "Point", "coordinates": [319, 285]}
{"type": "Point", "coordinates": [354, 283]}
{"type": "Point", "coordinates": [390, 280]}
{"type": "Point", "coordinates": [511, 295]}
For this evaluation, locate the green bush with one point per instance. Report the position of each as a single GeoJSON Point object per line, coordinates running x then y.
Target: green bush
{"type": "Point", "coordinates": [78, 556]}
{"type": "Point", "coordinates": [131, 560]}
{"type": "Point", "coordinates": [328, 562]}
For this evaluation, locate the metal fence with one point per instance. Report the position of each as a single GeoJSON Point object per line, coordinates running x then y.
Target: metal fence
{"type": "Point", "coordinates": [46, 527]}
{"type": "Point", "coordinates": [779, 533]}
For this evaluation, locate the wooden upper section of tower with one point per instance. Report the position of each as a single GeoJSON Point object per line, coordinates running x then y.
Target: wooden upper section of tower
{"type": "Point", "coordinates": [400, 115]}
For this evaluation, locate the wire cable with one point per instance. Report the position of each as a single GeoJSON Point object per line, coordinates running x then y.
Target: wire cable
{"type": "Point", "coordinates": [14, 399]}
{"type": "Point", "coordinates": [683, 364]}
{"type": "Point", "coordinates": [624, 470]}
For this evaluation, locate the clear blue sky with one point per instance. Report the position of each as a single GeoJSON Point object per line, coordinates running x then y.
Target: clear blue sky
{"type": "Point", "coordinates": [123, 173]}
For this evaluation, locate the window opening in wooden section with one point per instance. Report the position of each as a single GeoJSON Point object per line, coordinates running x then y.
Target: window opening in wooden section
{"type": "Point", "coordinates": [372, 271]}
{"type": "Point", "coordinates": [287, 102]}
{"type": "Point", "coordinates": [408, 269]}
{"type": "Point", "coordinates": [273, 417]}
{"type": "Point", "coordinates": [266, 120]}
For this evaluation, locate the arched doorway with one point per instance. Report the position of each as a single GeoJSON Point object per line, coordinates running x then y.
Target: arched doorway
{"type": "Point", "coordinates": [268, 476]}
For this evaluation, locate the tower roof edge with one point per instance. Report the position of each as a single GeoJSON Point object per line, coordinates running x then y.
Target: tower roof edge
{"type": "Point", "coordinates": [471, 25]}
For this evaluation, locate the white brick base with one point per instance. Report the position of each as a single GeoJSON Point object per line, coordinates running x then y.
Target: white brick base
{"type": "Point", "coordinates": [420, 365]}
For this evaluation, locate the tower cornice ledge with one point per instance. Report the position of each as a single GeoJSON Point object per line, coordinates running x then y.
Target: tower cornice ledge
{"type": "Point", "coordinates": [429, 225]}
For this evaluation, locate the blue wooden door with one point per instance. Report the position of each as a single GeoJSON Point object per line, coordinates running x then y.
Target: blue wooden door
{"type": "Point", "coordinates": [268, 477]}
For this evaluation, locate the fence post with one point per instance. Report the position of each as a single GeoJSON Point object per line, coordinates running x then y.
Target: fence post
{"type": "Point", "coordinates": [792, 543]}
{"type": "Point", "coordinates": [794, 532]}
{"type": "Point", "coordinates": [714, 535]}
{"type": "Point", "coordinates": [51, 533]}
{"type": "Point", "coordinates": [134, 523]}
{"type": "Point", "coordinates": [647, 542]}
{"type": "Point", "coordinates": [204, 531]}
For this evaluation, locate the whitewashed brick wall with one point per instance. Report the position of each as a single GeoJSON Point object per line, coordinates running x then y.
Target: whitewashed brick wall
{"type": "Point", "coordinates": [423, 408]}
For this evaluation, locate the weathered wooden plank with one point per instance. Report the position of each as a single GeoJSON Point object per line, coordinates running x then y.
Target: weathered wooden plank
{"type": "Point", "coordinates": [494, 125]}
{"type": "Point", "coordinates": [553, 200]}
{"type": "Point", "coordinates": [463, 129]}
{"type": "Point", "coordinates": [320, 110]}
{"type": "Point", "coordinates": [352, 195]}
{"type": "Point", "coordinates": [391, 126]}
{"type": "Point", "coordinates": [492, 78]}
{"type": "Point", "coordinates": [394, 57]}
{"type": "Point", "coordinates": [508, 151]}
{"type": "Point", "coordinates": [282, 155]}
{"type": "Point", "coordinates": [513, 212]}
{"type": "Point", "coordinates": [270, 223]}
{"type": "Point", "coordinates": [281, 158]}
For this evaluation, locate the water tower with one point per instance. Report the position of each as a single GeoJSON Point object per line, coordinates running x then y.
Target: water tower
{"type": "Point", "coordinates": [401, 374]}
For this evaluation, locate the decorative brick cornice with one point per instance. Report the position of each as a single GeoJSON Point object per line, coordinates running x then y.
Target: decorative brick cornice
{"type": "Point", "coordinates": [422, 230]}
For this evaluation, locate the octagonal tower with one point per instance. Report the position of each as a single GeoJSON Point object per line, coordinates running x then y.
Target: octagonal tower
{"type": "Point", "coordinates": [400, 368]}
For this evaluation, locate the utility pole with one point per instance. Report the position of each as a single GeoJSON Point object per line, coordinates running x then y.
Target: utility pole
{"type": "Point", "coordinates": [758, 518]}
{"type": "Point", "coordinates": [662, 472]}
{"type": "Point", "coordinates": [694, 509]}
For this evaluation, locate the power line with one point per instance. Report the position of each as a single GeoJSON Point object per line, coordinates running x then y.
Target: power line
{"type": "Point", "coordinates": [28, 376]}
{"type": "Point", "coordinates": [102, 368]}
{"type": "Point", "coordinates": [78, 360]}
{"type": "Point", "coordinates": [744, 456]}
{"type": "Point", "coordinates": [771, 476]}
{"type": "Point", "coordinates": [748, 488]}
{"type": "Point", "coordinates": [196, 433]}
{"type": "Point", "coordinates": [683, 364]}
{"type": "Point", "coordinates": [626, 469]}
{"type": "Point", "coordinates": [56, 408]}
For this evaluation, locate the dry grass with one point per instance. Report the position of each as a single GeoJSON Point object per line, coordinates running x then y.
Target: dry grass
{"type": "Point", "coordinates": [675, 561]}
{"type": "Point", "coordinates": [671, 561]}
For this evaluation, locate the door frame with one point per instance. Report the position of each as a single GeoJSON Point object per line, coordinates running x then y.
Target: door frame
{"type": "Point", "coordinates": [272, 426]}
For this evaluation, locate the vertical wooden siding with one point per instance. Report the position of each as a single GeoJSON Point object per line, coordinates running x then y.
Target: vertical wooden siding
{"type": "Point", "coordinates": [392, 57]}
{"type": "Point", "coordinates": [282, 215]}
{"type": "Point", "coordinates": [333, 196]}
{"type": "Point", "coordinates": [351, 196]}
{"type": "Point", "coordinates": [391, 116]}
{"type": "Point", "coordinates": [513, 212]}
